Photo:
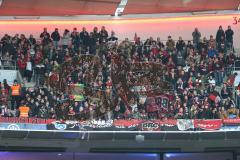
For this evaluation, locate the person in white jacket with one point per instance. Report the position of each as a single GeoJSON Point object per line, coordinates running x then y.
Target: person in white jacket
{"type": "Point", "coordinates": [66, 39]}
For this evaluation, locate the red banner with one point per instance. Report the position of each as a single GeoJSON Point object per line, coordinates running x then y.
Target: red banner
{"type": "Point", "coordinates": [172, 122]}
{"type": "Point", "coordinates": [25, 120]}
{"type": "Point", "coordinates": [127, 123]}
{"type": "Point", "coordinates": [214, 124]}
{"type": "Point", "coordinates": [231, 121]}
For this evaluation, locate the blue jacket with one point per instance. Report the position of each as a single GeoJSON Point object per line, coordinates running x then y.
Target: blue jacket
{"type": "Point", "coordinates": [212, 53]}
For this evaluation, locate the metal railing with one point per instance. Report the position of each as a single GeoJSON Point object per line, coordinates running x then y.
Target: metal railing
{"type": "Point", "coordinates": [237, 65]}
{"type": "Point", "coordinates": [8, 64]}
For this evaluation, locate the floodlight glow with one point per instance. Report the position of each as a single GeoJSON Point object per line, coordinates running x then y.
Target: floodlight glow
{"type": "Point", "coordinates": [121, 7]}
{"type": "Point", "coordinates": [169, 155]}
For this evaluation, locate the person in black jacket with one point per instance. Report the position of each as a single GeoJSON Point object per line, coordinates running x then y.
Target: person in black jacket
{"type": "Point", "coordinates": [92, 44]}
{"type": "Point", "coordinates": [96, 34]}
{"type": "Point", "coordinates": [45, 36]}
{"type": "Point", "coordinates": [221, 45]}
{"type": "Point", "coordinates": [229, 37]}
{"type": "Point", "coordinates": [55, 37]}
{"type": "Point", "coordinates": [103, 35]}
{"type": "Point", "coordinates": [180, 45]}
{"type": "Point", "coordinates": [32, 40]}
{"type": "Point", "coordinates": [75, 40]}
{"type": "Point", "coordinates": [220, 33]}
{"type": "Point", "coordinates": [84, 37]}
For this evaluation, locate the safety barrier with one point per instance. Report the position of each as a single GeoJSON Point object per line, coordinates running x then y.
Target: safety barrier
{"type": "Point", "coordinates": [176, 125]}
{"type": "Point", "coordinates": [8, 65]}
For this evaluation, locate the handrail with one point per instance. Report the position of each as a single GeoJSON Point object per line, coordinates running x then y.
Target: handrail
{"type": "Point", "coordinates": [8, 64]}
{"type": "Point", "coordinates": [136, 132]}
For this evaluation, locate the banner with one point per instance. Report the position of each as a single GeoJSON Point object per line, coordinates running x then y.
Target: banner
{"type": "Point", "coordinates": [25, 120]}
{"type": "Point", "coordinates": [14, 123]}
{"type": "Point", "coordinates": [214, 124]}
{"type": "Point", "coordinates": [97, 125]}
{"type": "Point", "coordinates": [230, 128]}
{"type": "Point", "coordinates": [63, 126]}
{"type": "Point", "coordinates": [127, 123]}
{"type": "Point", "coordinates": [158, 125]}
{"type": "Point", "coordinates": [77, 98]}
{"type": "Point", "coordinates": [231, 121]}
{"type": "Point", "coordinates": [150, 126]}
{"type": "Point", "coordinates": [22, 126]}
{"type": "Point", "coordinates": [185, 124]}
{"type": "Point", "coordinates": [117, 125]}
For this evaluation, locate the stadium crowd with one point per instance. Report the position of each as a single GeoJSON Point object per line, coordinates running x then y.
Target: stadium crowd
{"type": "Point", "coordinates": [83, 75]}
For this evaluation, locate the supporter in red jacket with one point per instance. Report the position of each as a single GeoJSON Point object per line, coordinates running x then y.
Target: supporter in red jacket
{"type": "Point", "coordinates": [38, 57]}
{"type": "Point", "coordinates": [22, 65]}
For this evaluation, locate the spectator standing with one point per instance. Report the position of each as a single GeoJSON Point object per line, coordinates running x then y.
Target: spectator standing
{"type": "Point", "coordinates": [15, 95]}
{"type": "Point", "coordinates": [6, 86]}
{"type": "Point", "coordinates": [84, 38]}
{"type": "Point", "coordinates": [212, 42]}
{"type": "Point", "coordinates": [22, 65]}
{"type": "Point", "coordinates": [229, 37]}
{"type": "Point", "coordinates": [56, 38]}
{"type": "Point", "coordinates": [92, 44]}
{"type": "Point", "coordinates": [66, 39]}
{"type": "Point", "coordinates": [196, 37]}
{"type": "Point", "coordinates": [180, 46]}
{"type": "Point", "coordinates": [32, 40]}
{"type": "Point", "coordinates": [29, 70]}
{"type": "Point", "coordinates": [159, 43]}
{"type": "Point", "coordinates": [218, 71]}
{"type": "Point", "coordinates": [220, 34]}
{"type": "Point", "coordinates": [24, 110]}
{"type": "Point", "coordinates": [170, 44]}
{"type": "Point", "coordinates": [103, 35]}
{"type": "Point", "coordinates": [45, 36]}
{"type": "Point", "coordinates": [96, 34]}
{"type": "Point", "coordinates": [75, 40]}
